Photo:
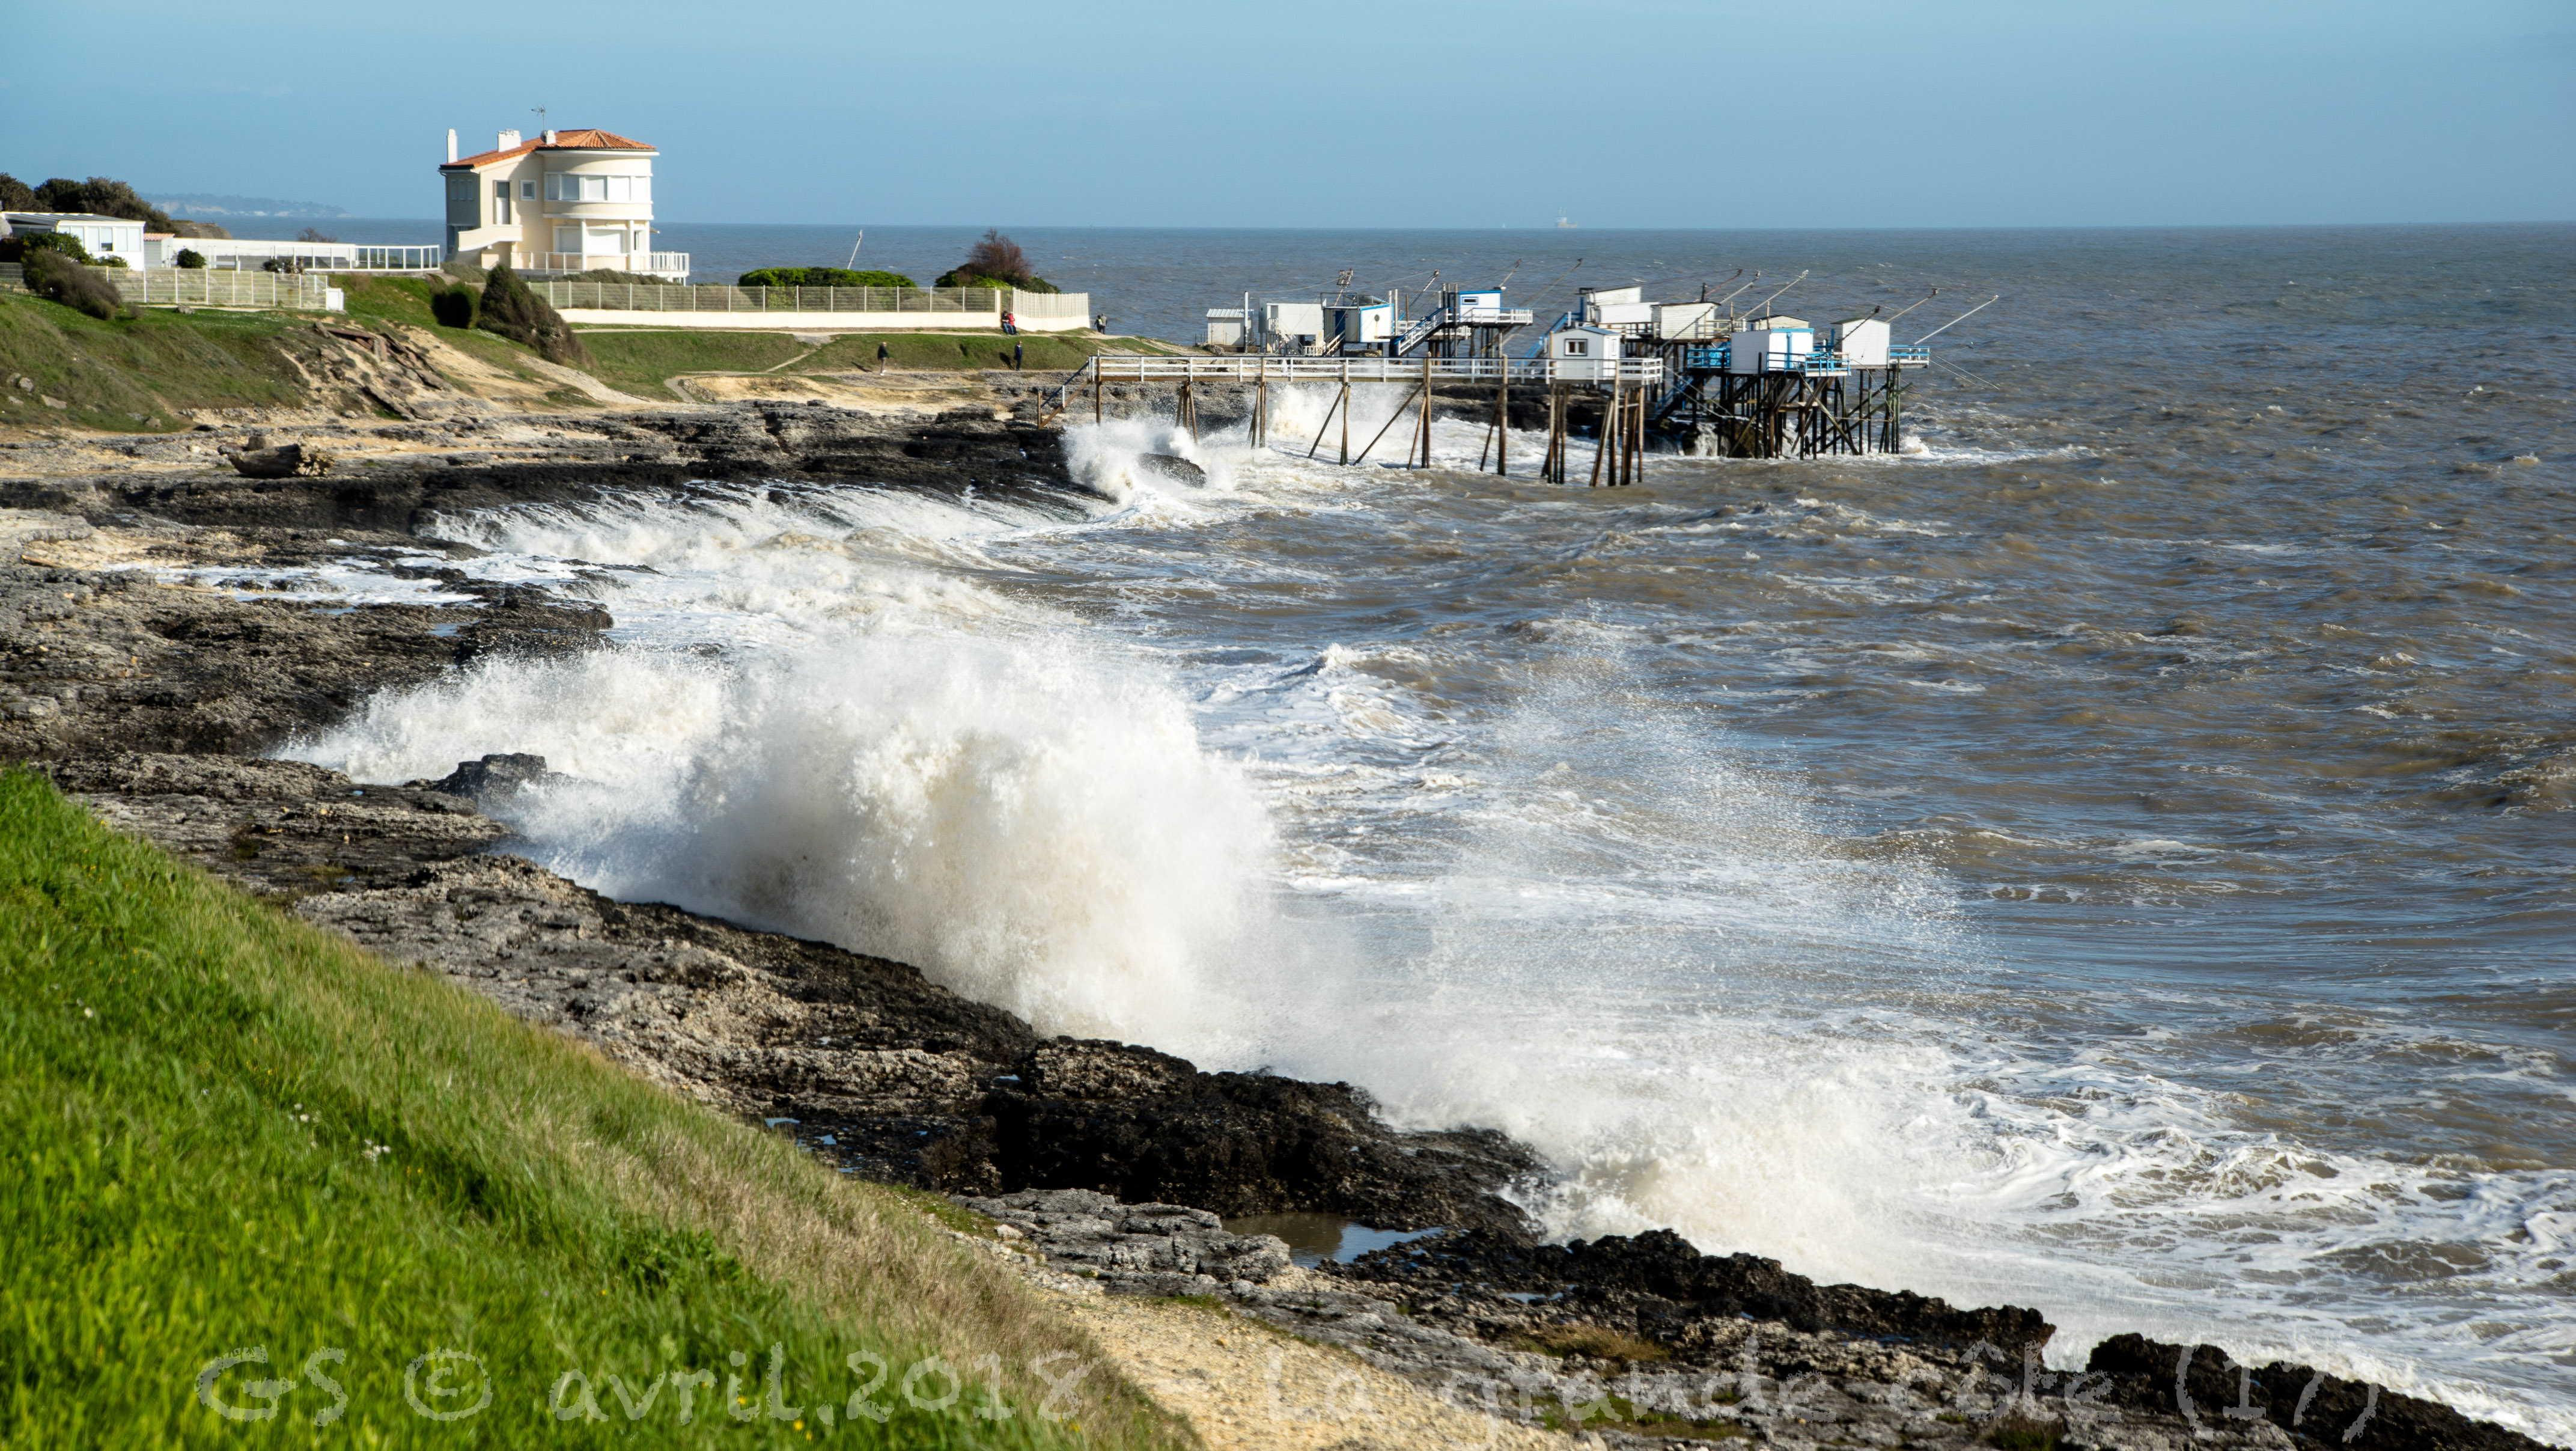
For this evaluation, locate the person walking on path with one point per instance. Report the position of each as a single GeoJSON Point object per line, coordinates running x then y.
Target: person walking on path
{"type": "Point", "coordinates": [1010, 325]}
{"type": "Point", "coordinates": [881, 355]}
{"type": "Point", "coordinates": [1100, 324]}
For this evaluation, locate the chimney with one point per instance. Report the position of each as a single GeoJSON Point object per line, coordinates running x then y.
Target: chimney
{"type": "Point", "coordinates": [451, 145]}
{"type": "Point", "coordinates": [550, 138]}
{"type": "Point", "coordinates": [507, 140]}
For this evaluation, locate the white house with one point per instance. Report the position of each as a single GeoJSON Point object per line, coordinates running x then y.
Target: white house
{"type": "Point", "coordinates": [568, 201]}
{"type": "Point", "coordinates": [101, 237]}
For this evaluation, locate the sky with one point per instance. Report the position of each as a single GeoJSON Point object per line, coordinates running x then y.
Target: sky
{"type": "Point", "coordinates": [1353, 113]}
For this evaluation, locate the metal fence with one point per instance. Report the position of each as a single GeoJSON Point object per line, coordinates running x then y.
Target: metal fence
{"type": "Point", "coordinates": [670, 297]}
{"type": "Point", "coordinates": [169, 286]}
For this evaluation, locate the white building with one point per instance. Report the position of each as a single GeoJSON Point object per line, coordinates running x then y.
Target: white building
{"type": "Point", "coordinates": [251, 254]}
{"type": "Point", "coordinates": [101, 237]}
{"type": "Point", "coordinates": [568, 201]}
{"type": "Point", "coordinates": [1584, 352]}
{"type": "Point", "coordinates": [1862, 342]}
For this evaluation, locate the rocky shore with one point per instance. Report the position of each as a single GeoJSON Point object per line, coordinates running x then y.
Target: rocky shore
{"type": "Point", "coordinates": [145, 667]}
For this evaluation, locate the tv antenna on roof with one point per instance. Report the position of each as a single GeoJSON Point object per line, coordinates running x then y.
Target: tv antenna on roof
{"type": "Point", "coordinates": [541, 117]}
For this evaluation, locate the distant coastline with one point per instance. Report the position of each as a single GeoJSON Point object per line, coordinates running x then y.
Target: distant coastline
{"type": "Point", "coordinates": [207, 204]}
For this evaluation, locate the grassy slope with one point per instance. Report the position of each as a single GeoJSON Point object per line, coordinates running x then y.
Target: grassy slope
{"type": "Point", "coordinates": [638, 360]}
{"type": "Point", "coordinates": [190, 1083]}
{"type": "Point", "coordinates": [140, 374]}
{"type": "Point", "coordinates": [381, 300]}
{"type": "Point", "coordinates": [136, 374]}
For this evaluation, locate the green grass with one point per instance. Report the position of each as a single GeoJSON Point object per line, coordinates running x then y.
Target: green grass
{"type": "Point", "coordinates": [226, 1130]}
{"type": "Point", "coordinates": [638, 360]}
{"type": "Point", "coordinates": [137, 375]}
{"type": "Point", "coordinates": [405, 300]}
{"type": "Point", "coordinates": [636, 363]}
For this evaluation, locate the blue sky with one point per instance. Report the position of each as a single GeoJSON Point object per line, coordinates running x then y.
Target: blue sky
{"type": "Point", "coordinates": [1412, 113]}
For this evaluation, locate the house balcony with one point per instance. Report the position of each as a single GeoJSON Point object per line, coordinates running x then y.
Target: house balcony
{"type": "Point", "coordinates": [642, 264]}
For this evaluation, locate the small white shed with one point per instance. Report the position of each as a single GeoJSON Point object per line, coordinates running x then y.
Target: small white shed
{"type": "Point", "coordinates": [1686, 319]}
{"type": "Point", "coordinates": [1592, 300]}
{"type": "Point", "coordinates": [1769, 349]}
{"type": "Point", "coordinates": [1359, 325]}
{"type": "Point", "coordinates": [1298, 323]}
{"type": "Point", "coordinates": [1583, 353]}
{"type": "Point", "coordinates": [1862, 342]}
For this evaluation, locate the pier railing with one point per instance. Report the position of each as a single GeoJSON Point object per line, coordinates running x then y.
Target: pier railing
{"type": "Point", "coordinates": [1260, 368]}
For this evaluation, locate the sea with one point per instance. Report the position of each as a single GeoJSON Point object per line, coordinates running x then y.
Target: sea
{"type": "Point", "coordinates": [2117, 857]}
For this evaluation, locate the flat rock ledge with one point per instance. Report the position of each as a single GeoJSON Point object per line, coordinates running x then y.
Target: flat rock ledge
{"type": "Point", "coordinates": [1645, 1341]}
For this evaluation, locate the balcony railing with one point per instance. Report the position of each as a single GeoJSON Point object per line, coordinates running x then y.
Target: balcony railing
{"type": "Point", "coordinates": [643, 264]}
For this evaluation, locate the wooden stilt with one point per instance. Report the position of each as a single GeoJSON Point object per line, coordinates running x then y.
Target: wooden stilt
{"type": "Point", "coordinates": [1382, 428]}
{"type": "Point", "coordinates": [1609, 433]}
{"type": "Point", "coordinates": [1346, 412]}
{"type": "Point", "coordinates": [1095, 390]}
{"type": "Point", "coordinates": [1425, 426]}
{"type": "Point", "coordinates": [1319, 430]}
{"type": "Point", "coordinates": [1503, 417]}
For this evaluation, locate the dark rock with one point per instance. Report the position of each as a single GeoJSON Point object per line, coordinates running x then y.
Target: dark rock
{"type": "Point", "coordinates": [1173, 469]}
{"type": "Point", "coordinates": [2313, 1406]}
{"type": "Point", "coordinates": [1657, 1282]}
{"type": "Point", "coordinates": [495, 775]}
{"type": "Point", "coordinates": [293, 461]}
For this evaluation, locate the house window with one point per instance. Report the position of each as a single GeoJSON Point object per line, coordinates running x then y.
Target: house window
{"type": "Point", "coordinates": [501, 203]}
{"type": "Point", "coordinates": [527, 191]}
{"type": "Point", "coordinates": [565, 186]}
{"type": "Point", "coordinates": [1577, 347]}
{"type": "Point", "coordinates": [567, 239]}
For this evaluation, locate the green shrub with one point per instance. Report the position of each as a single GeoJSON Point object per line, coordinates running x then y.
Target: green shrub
{"type": "Point", "coordinates": [191, 259]}
{"type": "Point", "coordinates": [19, 247]}
{"type": "Point", "coordinates": [452, 306]}
{"type": "Point", "coordinates": [821, 277]}
{"type": "Point", "coordinates": [102, 196]}
{"type": "Point", "coordinates": [55, 276]}
{"type": "Point", "coordinates": [16, 195]}
{"type": "Point", "coordinates": [282, 264]}
{"type": "Point", "coordinates": [996, 261]}
{"type": "Point", "coordinates": [518, 314]}
{"type": "Point", "coordinates": [973, 279]}
{"type": "Point", "coordinates": [117, 262]}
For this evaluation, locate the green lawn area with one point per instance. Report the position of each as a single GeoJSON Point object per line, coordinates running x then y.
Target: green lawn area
{"type": "Point", "coordinates": [230, 1135]}
{"type": "Point", "coordinates": [638, 360]}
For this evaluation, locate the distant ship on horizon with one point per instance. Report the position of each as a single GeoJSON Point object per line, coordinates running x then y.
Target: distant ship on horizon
{"type": "Point", "coordinates": [1562, 221]}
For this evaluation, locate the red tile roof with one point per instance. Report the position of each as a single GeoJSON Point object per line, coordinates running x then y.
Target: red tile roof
{"type": "Point", "coordinates": [590, 140]}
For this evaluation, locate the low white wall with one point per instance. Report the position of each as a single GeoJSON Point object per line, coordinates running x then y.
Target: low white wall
{"type": "Point", "coordinates": [819, 322]}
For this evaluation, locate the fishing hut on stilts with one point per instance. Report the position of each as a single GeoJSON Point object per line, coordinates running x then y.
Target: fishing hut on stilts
{"type": "Point", "coordinates": [1686, 377]}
